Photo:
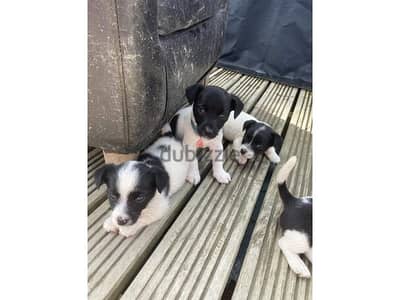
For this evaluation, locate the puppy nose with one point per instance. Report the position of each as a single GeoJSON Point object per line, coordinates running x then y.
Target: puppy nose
{"type": "Point", "coordinates": [208, 129]}
{"type": "Point", "coordinates": [122, 221]}
{"type": "Point", "coordinates": [243, 151]}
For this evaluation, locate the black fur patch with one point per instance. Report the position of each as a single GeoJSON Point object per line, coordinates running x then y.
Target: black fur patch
{"type": "Point", "coordinates": [174, 123]}
{"type": "Point", "coordinates": [260, 137]}
{"type": "Point", "coordinates": [153, 162]}
{"type": "Point", "coordinates": [211, 108]}
{"type": "Point", "coordinates": [297, 213]}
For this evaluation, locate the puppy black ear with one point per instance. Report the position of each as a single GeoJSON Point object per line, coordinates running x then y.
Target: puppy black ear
{"type": "Point", "coordinates": [102, 174]}
{"type": "Point", "coordinates": [277, 141]}
{"type": "Point", "coordinates": [193, 91]}
{"type": "Point", "coordinates": [236, 105]}
{"type": "Point", "coordinates": [162, 179]}
{"type": "Point", "coordinates": [247, 124]}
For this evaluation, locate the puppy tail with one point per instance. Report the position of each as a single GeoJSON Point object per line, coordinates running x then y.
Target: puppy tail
{"type": "Point", "coordinates": [281, 178]}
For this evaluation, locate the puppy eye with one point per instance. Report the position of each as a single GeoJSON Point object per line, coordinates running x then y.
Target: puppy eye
{"type": "Point", "coordinates": [139, 198]}
{"type": "Point", "coordinates": [201, 110]}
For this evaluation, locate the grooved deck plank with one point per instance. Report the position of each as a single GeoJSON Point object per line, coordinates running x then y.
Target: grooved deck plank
{"type": "Point", "coordinates": [95, 196]}
{"type": "Point", "coordinates": [114, 260]}
{"type": "Point", "coordinates": [194, 259]}
{"type": "Point", "coordinates": [265, 273]}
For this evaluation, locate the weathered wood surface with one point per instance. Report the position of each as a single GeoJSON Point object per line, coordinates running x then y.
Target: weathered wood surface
{"type": "Point", "coordinates": [265, 273]}
{"type": "Point", "coordinates": [195, 257]}
{"type": "Point", "coordinates": [189, 254]}
{"type": "Point", "coordinates": [95, 196]}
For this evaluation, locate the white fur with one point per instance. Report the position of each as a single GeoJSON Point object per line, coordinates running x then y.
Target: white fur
{"type": "Point", "coordinates": [293, 243]}
{"type": "Point", "coordinates": [158, 206]}
{"type": "Point", "coordinates": [109, 225]}
{"type": "Point", "coordinates": [233, 128]}
{"type": "Point", "coordinates": [126, 181]}
{"type": "Point", "coordinates": [178, 168]}
{"type": "Point", "coordinates": [154, 211]}
{"type": "Point", "coordinates": [286, 169]}
{"type": "Point", "coordinates": [233, 132]}
{"type": "Point", "coordinates": [189, 137]}
{"type": "Point", "coordinates": [272, 155]}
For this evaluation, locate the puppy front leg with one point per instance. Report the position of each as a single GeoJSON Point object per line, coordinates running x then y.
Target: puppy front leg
{"type": "Point", "coordinates": [131, 230]}
{"type": "Point", "coordinates": [217, 155]}
{"type": "Point", "coordinates": [193, 175]}
{"type": "Point", "coordinates": [295, 262]}
{"type": "Point", "coordinates": [272, 155]}
{"type": "Point", "coordinates": [109, 226]}
{"type": "Point", "coordinates": [236, 148]}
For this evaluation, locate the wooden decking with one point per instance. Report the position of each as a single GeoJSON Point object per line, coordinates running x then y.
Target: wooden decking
{"type": "Point", "coordinates": [206, 248]}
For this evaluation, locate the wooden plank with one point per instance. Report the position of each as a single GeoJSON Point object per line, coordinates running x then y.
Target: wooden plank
{"type": "Point", "coordinates": [93, 167]}
{"type": "Point", "coordinates": [265, 273]}
{"type": "Point", "coordinates": [94, 152]}
{"type": "Point", "coordinates": [194, 259]}
{"type": "Point", "coordinates": [215, 72]}
{"type": "Point", "coordinates": [223, 80]}
{"type": "Point", "coordinates": [95, 196]}
{"type": "Point", "coordinates": [113, 260]}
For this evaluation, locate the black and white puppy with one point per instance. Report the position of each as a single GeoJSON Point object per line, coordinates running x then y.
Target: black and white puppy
{"type": "Point", "coordinates": [139, 191]}
{"type": "Point", "coordinates": [251, 137]}
{"type": "Point", "coordinates": [296, 223]}
{"type": "Point", "coordinates": [200, 126]}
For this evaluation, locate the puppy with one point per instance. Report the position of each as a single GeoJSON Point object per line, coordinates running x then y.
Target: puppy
{"type": "Point", "coordinates": [296, 223]}
{"type": "Point", "coordinates": [139, 191]}
{"type": "Point", "coordinates": [251, 137]}
{"type": "Point", "coordinates": [200, 125]}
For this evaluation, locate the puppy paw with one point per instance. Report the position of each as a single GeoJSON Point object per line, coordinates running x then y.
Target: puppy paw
{"type": "Point", "coordinates": [127, 231]}
{"type": "Point", "coordinates": [222, 176]}
{"type": "Point", "coordinates": [109, 226]}
{"type": "Point", "coordinates": [193, 178]}
{"type": "Point", "coordinates": [273, 156]}
{"type": "Point", "coordinates": [241, 160]}
{"type": "Point", "coordinates": [301, 270]}
{"type": "Point", "coordinates": [275, 159]}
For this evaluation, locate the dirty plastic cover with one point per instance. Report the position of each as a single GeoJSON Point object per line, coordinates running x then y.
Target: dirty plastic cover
{"type": "Point", "coordinates": [271, 39]}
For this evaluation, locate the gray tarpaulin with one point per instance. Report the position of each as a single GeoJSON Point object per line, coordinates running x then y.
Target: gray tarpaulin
{"type": "Point", "coordinates": [270, 38]}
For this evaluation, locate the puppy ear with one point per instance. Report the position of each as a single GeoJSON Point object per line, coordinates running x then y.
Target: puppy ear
{"type": "Point", "coordinates": [193, 91]}
{"type": "Point", "coordinates": [277, 141]}
{"type": "Point", "coordinates": [236, 105]}
{"type": "Point", "coordinates": [102, 174]}
{"type": "Point", "coordinates": [247, 124]}
{"type": "Point", "coordinates": [162, 179]}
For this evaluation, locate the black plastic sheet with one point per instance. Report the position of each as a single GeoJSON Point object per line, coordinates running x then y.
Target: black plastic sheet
{"type": "Point", "coordinates": [271, 39]}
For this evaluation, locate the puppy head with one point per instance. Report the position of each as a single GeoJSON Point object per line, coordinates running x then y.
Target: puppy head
{"type": "Point", "coordinates": [258, 138]}
{"type": "Point", "coordinates": [130, 187]}
{"type": "Point", "coordinates": [211, 108]}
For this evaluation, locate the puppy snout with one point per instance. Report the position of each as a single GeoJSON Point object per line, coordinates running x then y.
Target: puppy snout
{"type": "Point", "coordinates": [208, 129]}
{"type": "Point", "coordinates": [243, 151]}
{"type": "Point", "coordinates": [122, 221]}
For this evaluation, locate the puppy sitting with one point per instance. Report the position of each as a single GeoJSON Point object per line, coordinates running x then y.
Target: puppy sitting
{"type": "Point", "coordinates": [200, 125]}
{"type": "Point", "coordinates": [139, 191]}
{"type": "Point", "coordinates": [251, 137]}
{"type": "Point", "coordinates": [296, 223]}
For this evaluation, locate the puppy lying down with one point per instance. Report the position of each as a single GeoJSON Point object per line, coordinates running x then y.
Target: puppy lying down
{"type": "Point", "coordinates": [296, 223]}
{"type": "Point", "coordinates": [251, 137]}
{"type": "Point", "coordinates": [139, 191]}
